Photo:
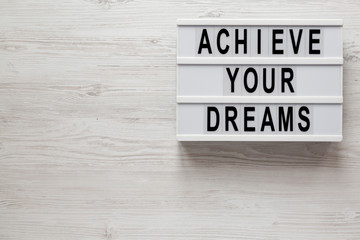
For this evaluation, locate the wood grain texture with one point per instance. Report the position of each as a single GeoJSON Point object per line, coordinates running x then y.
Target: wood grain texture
{"type": "Point", "coordinates": [87, 132]}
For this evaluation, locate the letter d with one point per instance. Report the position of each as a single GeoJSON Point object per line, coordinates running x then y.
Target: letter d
{"type": "Point", "coordinates": [217, 116]}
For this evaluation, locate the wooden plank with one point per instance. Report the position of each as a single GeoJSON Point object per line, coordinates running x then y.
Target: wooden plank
{"type": "Point", "coordinates": [87, 132]}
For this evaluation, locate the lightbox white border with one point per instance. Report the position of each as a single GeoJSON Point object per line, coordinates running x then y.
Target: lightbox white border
{"type": "Point", "coordinates": [260, 22]}
{"type": "Point", "coordinates": [260, 138]}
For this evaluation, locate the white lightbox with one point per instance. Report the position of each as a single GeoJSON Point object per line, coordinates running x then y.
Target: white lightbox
{"type": "Point", "coordinates": [259, 80]}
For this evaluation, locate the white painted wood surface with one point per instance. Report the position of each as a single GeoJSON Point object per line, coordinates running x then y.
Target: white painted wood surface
{"type": "Point", "coordinates": [87, 132]}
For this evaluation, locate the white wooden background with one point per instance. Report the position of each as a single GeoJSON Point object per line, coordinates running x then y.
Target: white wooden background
{"type": "Point", "coordinates": [87, 132]}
